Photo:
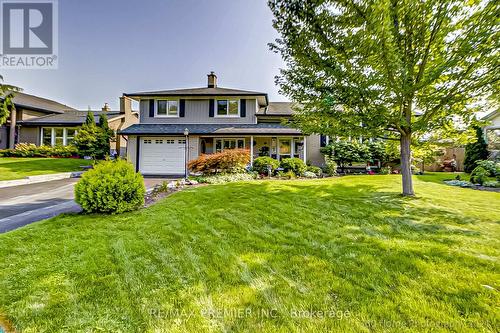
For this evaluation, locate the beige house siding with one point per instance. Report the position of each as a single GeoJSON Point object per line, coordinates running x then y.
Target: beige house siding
{"type": "Point", "coordinates": [132, 149]}
{"type": "Point", "coordinates": [313, 153]}
{"type": "Point", "coordinates": [29, 135]}
{"type": "Point", "coordinates": [29, 114]}
{"type": "Point", "coordinates": [196, 112]}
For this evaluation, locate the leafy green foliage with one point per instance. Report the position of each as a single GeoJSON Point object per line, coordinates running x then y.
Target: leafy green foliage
{"type": "Point", "coordinates": [346, 152]}
{"type": "Point", "coordinates": [111, 187]}
{"type": "Point", "coordinates": [261, 164]}
{"type": "Point", "coordinates": [479, 175]}
{"type": "Point", "coordinates": [314, 169]}
{"type": "Point", "coordinates": [93, 140]}
{"type": "Point", "coordinates": [365, 68]}
{"type": "Point", "coordinates": [227, 161]}
{"type": "Point", "coordinates": [32, 150]}
{"type": "Point", "coordinates": [295, 165]}
{"type": "Point", "coordinates": [7, 93]}
{"type": "Point", "coordinates": [475, 151]}
{"type": "Point", "coordinates": [492, 167]}
{"type": "Point", "coordinates": [330, 166]}
{"type": "Point", "coordinates": [226, 178]}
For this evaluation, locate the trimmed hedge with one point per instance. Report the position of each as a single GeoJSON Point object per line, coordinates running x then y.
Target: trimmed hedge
{"type": "Point", "coordinates": [32, 150]}
{"type": "Point", "coordinates": [295, 165]}
{"type": "Point", "coordinates": [261, 164]}
{"type": "Point", "coordinates": [111, 187]}
{"type": "Point", "coordinates": [227, 161]}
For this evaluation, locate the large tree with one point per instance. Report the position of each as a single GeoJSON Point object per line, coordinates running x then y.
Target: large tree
{"type": "Point", "coordinates": [6, 96]}
{"type": "Point", "coordinates": [393, 69]}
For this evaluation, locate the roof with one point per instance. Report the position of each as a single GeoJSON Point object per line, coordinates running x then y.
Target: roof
{"type": "Point", "coordinates": [72, 117]}
{"type": "Point", "coordinates": [204, 91]}
{"type": "Point", "coordinates": [210, 129]}
{"type": "Point", "coordinates": [276, 109]}
{"type": "Point", "coordinates": [22, 100]}
{"type": "Point", "coordinates": [490, 115]}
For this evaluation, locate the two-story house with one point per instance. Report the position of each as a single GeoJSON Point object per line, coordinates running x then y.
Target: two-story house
{"type": "Point", "coordinates": [176, 126]}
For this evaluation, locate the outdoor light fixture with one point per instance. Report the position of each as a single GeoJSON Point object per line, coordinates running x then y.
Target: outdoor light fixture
{"type": "Point", "coordinates": [186, 151]}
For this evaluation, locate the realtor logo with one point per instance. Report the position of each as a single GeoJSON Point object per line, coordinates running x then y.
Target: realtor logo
{"type": "Point", "coordinates": [29, 34]}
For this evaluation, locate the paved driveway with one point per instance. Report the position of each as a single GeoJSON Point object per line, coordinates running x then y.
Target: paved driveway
{"type": "Point", "coordinates": [21, 205]}
{"type": "Point", "coordinates": [25, 204]}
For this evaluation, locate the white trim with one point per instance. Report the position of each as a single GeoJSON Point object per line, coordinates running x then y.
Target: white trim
{"type": "Point", "coordinates": [222, 143]}
{"type": "Point", "coordinates": [156, 115]}
{"type": "Point", "coordinates": [305, 149]}
{"type": "Point", "coordinates": [251, 150]}
{"type": "Point", "coordinates": [216, 115]}
{"type": "Point", "coordinates": [53, 135]}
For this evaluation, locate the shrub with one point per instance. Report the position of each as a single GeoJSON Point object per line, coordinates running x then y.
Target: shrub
{"type": "Point", "coordinates": [295, 165]}
{"type": "Point", "coordinates": [385, 170]}
{"type": "Point", "coordinates": [309, 174]}
{"type": "Point", "coordinates": [491, 183]}
{"type": "Point", "coordinates": [330, 166]}
{"type": "Point", "coordinates": [228, 161]}
{"type": "Point", "coordinates": [479, 175]}
{"type": "Point", "coordinates": [314, 169]}
{"type": "Point", "coordinates": [492, 167]}
{"type": "Point", "coordinates": [31, 150]}
{"type": "Point", "coordinates": [111, 187]}
{"type": "Point", "coordinates": [225, 178]}
{"type": "Point", "coordinates": [475, 151]}
{"type": "Point", "coordinates": [261, 164]}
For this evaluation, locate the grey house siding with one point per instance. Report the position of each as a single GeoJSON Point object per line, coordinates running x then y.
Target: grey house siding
{"type": "Point", "coordinates": [196, 112]}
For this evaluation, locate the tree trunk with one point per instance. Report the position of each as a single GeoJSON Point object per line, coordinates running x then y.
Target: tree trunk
{"type": "Point", "coordinates": [406, 165]}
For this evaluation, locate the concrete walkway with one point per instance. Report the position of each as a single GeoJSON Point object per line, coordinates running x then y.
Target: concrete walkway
{"type": "Point", "coordinates": [21, 205]}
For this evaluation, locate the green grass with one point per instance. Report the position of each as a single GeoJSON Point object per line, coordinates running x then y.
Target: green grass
{"type": "Point", "coordinates": [18, 168]}
{"type": "Point", "coordinates": [275, 250]}
{"type": "Point", "coordinates": [439, 177]}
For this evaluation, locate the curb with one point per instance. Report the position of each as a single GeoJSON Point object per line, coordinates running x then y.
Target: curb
{"type": "Point", "coordinates": [40, 179]}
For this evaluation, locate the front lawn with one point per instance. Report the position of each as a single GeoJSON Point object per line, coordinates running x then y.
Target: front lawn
{"type": "Point", "coordinates": [18, 168]}
{"type": "Point", "coordinates": [336, 255]}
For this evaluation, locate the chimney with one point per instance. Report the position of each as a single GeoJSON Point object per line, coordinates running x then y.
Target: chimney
{"type": "Point", "coordinates": [106, 107]}
{"type": "Point", "coordinates": [212, 80]}
{"type": "Point", "coordinates": [126, 106]}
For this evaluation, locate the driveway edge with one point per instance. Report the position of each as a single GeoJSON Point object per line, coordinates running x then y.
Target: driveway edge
{"type": "Point", "coordinates": [40, 179]}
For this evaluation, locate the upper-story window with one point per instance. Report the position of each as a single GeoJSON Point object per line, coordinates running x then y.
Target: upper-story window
{"type": "Point", "coordinates": [167, 108]}
{"type": "Point", "coordinates": [228, 108]}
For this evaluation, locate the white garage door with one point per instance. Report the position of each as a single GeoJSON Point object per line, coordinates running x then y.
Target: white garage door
{"type": "Point", "coordinates": [162, 155]}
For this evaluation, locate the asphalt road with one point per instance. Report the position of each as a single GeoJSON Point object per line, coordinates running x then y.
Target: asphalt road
{"type": "Point", "coordinates": [21, 205]}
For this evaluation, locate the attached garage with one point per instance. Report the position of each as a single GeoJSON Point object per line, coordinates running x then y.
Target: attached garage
{"type": "Point", "coordinates": [162, 155]}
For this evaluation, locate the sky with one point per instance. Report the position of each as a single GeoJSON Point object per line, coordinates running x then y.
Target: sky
{"type": "Point", "coordinates": [111, 47]}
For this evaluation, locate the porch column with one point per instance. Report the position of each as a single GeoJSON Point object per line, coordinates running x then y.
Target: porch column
{"type": "Point", "coordinates": [12, 130]}
{"type": "Point", "coordinates": [251, 150]}
{"type": "Point", "coordinates": [305, 150]}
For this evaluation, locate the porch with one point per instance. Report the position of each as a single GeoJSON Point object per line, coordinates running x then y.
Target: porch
{"type": "Point", "coordinates": [277, 147]}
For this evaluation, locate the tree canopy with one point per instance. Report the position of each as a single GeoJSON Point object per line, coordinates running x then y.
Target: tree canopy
{"type": "Point", "coordinates": [6, 104]}
{"type": "Point", "coordinates": [391, 69]}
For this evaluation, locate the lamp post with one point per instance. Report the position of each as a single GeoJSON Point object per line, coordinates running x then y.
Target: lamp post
{"type": "Point", "coordinates": [186, 152]}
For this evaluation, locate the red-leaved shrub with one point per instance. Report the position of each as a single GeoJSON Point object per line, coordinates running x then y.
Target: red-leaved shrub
{"type": "Point", "coordinates": [227, 161]}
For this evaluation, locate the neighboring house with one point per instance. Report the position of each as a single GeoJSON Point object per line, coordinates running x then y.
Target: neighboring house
{"type": "Point", "coordinates": [492, 132]}
{"type": "Point", "coordinates": [60, 129]}
{"type": "Point", "coordinates": [26, 107]}
{"type": "Point", "coordinates": [211, 119]}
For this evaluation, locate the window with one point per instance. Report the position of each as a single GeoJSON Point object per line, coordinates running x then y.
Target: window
{"type": "Point", "coordinates": [70, 135]}
{"type": "Point", "coordinates": [159, 141]}
{"type": "Point", "coordinates": [147, 141]}
{"type": "Point", "coordinates": [170, 141]}
{"type": "Point", "coordinates": [228, 108]}
{"type": "Point", "coordinates": [167, 108]}
{"type": "Point", "coordinates": [57, 136]}
{"type": "Point", "coordinates": [47, 136]}
{"type": "Point", "coordinates": [222, 144]}
{"type": "Point", "coordinates": [284, 148]}
{"type": "Point", "coordinates": [182, 141]}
